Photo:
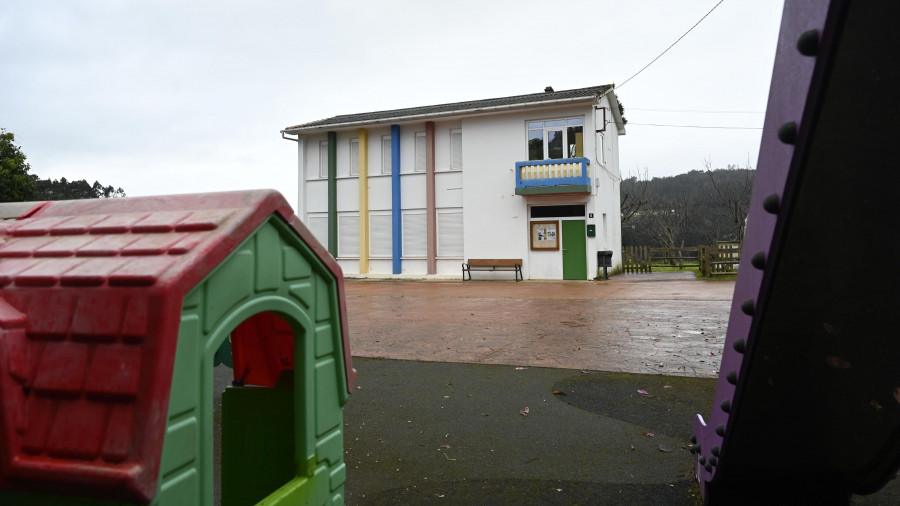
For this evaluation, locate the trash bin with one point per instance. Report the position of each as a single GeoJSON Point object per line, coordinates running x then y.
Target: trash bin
{"type": "Point", "coordinates": [604, 259]}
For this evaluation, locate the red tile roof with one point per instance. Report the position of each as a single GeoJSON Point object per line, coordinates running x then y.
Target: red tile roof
{"type": "Point", "coordinates": [85, 372]}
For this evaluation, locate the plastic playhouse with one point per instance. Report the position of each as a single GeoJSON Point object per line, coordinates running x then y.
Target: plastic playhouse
{"type": "Point", "coordinates": [807, 409]}
{"type": "Point", "coordinates": [113, 314]}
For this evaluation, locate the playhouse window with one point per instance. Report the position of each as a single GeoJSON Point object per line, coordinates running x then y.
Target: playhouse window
{"type": "Point", "coordinates": [556, 138]}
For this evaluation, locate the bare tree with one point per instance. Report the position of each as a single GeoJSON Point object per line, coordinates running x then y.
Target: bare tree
{"type": "Point", "coordinates": [634, 194]}
{"type": "Point", "coordinates": [731, 195]}
{"type": "Point", "coordinates": [669, 219]}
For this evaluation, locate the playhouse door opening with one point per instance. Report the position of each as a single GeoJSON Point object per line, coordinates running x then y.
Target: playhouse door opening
{"type": "Point", "coordinates": [257, 438]}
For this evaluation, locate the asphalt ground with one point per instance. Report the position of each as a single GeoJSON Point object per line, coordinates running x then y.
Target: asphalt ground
{"type": "Point", "coordinates": [495, 392]}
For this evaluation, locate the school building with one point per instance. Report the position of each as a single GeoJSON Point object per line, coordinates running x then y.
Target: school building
{"type": "Point", "coordinates": [419, 191]}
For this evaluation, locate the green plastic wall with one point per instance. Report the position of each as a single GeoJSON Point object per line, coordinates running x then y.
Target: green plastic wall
{"type": "Point", "coordinates": [271, 271]}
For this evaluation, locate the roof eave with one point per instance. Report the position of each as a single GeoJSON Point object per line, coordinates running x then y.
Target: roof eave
{"type": "Point", "coordinates": [443, 114]}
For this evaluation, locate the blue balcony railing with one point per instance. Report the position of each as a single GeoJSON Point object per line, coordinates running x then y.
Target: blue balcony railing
{"type": "Point", "coordinates": [560, 172]}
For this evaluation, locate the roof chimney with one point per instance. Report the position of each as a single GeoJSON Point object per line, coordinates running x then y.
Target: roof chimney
{"type": "Point", "coordinates": [548, 89]}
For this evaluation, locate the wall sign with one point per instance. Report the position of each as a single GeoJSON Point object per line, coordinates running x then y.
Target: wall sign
{"type": "Point", "coordinates": [545, 235]}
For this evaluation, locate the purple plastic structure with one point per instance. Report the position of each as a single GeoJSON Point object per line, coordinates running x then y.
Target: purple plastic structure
{"type": "Point", "coordinates": [807, 409]}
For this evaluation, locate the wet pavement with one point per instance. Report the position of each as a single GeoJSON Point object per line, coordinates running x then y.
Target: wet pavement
{"type": "Point", "coordinates": [664, 323]}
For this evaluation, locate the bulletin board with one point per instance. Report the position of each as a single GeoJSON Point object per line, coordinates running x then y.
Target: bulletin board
{"type": "Point", "coordinates": [545, 235]}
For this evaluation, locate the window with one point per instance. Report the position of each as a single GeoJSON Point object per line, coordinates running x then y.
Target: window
{"type": "Point", "coordinates": [573, 210]}
{"type": "Point", "coordinates": [414, 235]}
{"type": "Point", "coordinates": [348, 235]}
{"type": "Point", "coordinates": [354, 156]}
{"type": "Point", "coordinates": [381, 243]}
{"type": "Point", "coordinates": [420, 152]}
{"type": "Point", "coordinates": [318, 225]}
{"type": "Point", "coordinates": [323, 159]}
{"type": "Point", "coordinates": [386, 161]}
{"type": "Point", "coordinates": [555, 139]}
{"type": "Point", "coordinates": [456, 152]}
{"type": "Point", "coordinates": [600, 145]}
{"type": "Point", "coordinates": [450, 234]}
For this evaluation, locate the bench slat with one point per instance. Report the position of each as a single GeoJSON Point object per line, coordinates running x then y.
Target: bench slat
{"type": "Point", "coordinates": [499, 262]}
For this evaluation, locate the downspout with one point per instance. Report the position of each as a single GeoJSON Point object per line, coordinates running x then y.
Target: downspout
{"type": "Point", "coordinates": [363, 144]}
{"type": "Point", "coordinates": [396, 203]}
{"type": "Point", "coordinates": [332, 195]}
{"type": "Point", "coordinates": [430, 206]}
{"type": "Point", "coordinates": [301, 171]}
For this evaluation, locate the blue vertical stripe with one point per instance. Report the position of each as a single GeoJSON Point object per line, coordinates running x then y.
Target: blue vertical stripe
{"type": "Point", "coordinates": [397, 223]}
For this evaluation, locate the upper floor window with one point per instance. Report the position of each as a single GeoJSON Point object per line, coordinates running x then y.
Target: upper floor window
{"type": "Point", "coordinates": [420, 152]}
{"type": "Point", "coordinates": [556, 138]}
{"type": "Point", "coordinates": [456, 153]}
{"type": "Point", "coordinates": [386, 161]}
{"type": "Point", "coordinates": [323, 159]}
{"type": "Point", "coordinates": [354, 156]}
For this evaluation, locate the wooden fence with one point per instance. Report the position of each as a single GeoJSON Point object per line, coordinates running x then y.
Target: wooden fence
{"type": "Point", "coordinates": [719, 260]}
{"type": "Point", "coordinates": [636, 259]}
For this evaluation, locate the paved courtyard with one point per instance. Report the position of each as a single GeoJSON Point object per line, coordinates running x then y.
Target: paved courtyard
{"type": "Point", "coordinates": [661, 323]}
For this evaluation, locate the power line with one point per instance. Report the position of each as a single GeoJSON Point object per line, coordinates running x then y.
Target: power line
{"type": "Point", "coordinates": [696, 126]}
{"type": "Point", "coordinates": [696, 111]}
{"type": "Point", "coordinates": [673, 44]}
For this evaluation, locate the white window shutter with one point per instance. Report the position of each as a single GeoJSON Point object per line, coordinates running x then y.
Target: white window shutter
{"type": "Point", "coordinates": [348, 236]}
{"type": "Point", "coordinates": [318, 225]}
{"type": "Point", "coordinates": [414, 235]}
{"type": "Point", "coordinates": [380, 235]}
{"type": "Point", "coordinates": [450, 234]}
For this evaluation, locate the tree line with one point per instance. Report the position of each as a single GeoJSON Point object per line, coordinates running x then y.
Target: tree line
{"type": "Point", "coordinates": [18, 185]}
{"type": "Point", "coordinates": [699, 207]}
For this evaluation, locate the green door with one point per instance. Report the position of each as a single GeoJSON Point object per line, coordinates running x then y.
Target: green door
{"type": "Point", "coordinates": [574, 246]}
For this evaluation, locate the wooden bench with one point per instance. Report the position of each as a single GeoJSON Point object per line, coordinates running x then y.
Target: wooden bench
{"type": "Point", "coordinates": [493, 264]}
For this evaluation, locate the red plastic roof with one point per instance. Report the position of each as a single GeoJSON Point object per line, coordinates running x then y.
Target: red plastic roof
{"type": "Point", "coordinates": [90, 300]}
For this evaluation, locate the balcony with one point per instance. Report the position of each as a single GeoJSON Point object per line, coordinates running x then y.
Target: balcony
{"type": "Point", "coordinates": [565, 175]}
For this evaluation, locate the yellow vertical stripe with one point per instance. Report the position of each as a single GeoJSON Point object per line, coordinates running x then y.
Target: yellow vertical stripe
{"type": "Point", "coordinates": [363, 201]}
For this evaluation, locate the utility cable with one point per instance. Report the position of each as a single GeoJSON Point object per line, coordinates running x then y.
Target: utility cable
{"type": "Point", "coordinates": [670, 47]}
{"type": "Point", "coordinates": [695, 126]}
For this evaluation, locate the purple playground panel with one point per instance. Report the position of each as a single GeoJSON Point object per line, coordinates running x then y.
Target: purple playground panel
{"type": "Point", "coordinates": [807, 409]}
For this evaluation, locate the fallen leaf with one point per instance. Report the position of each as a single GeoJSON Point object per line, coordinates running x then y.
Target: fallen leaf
{"type": "Point", "coordinates": [525, 411]}
{"type": "Point", "coordinates": [712, 354]}
{"type": "Point", "coordinates": [643, 392]}
{"type": "Point", "coordinates": [445, 446]}
{"type": "Point", "coordinates": [667, 386]}
{"type": "Point", "coordinates": [632, 447]}
{"type": "Point", "coordinates": [648, 434]}
{"type": "Point", "coordinates": [559, 392]}
{"type": "Point", "coordinates": [666, 449]}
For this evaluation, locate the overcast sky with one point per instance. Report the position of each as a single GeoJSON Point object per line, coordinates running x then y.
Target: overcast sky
{"type": "Point", "coordinates": [163, 97]}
